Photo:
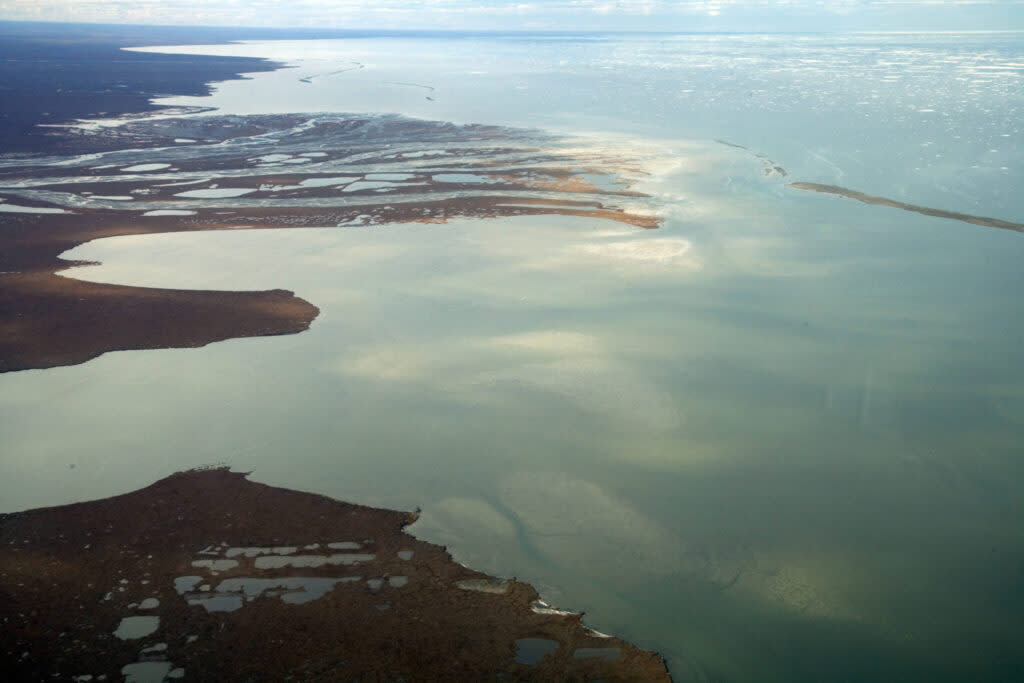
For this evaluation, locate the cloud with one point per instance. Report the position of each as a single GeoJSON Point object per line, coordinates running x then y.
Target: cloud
{"type": "Point", "coordinates": [479, 534]}
{"type": "Point", "coordinates": [552, 365]}
{"type": "Point", "coordinates": [504, 14]}
{"type": "Point", "coordinates": [573, 521]}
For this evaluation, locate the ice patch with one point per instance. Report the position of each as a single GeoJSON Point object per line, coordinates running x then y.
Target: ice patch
{"type": "Point", "coordinates": [215, 193]}
{"type": "Point", "coordinates": [497, 586]}
{"type": "Point", "coordinates": [326, 182]}
{"type": "Point", "coordinates": [232, 593]}
{"type": "Point", "coordinates": [362, 185]}
{"type": "Point", "coordinates": [277, 562]}
{"type": "Point", "coordinates": [253, 552]}
{"type": "Point", "coordinates": [389, 176]}
{"type": "Point", "coordinates": [145, 167]}
{"type": "Point", "coordinates": [345, 545]}
{"type": "Point", "coordinates": [424, 153]}
{"type": "Point", "coordinates": [183, 584]}
{"type": "Point", "coordinates": [463, 178]}
{"type": "Point", "coordinates": [215, 565]}
{"type": "Point", "coordinates": [132, 628]}
{"type": "Point", "coordinates": [145, 672]}
{"type": "Point", "coordinates": [216, 603]}
{"type": "Point", "coordinates": [541, 607]}
{"type": "Point", "coordinates": [14, 208]}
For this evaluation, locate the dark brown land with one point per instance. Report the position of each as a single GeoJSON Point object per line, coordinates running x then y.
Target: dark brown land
{"type": "Point", "coordinates": [56, 73]}
{"type": "Point", "coordinates": [47, 320]}
{"type": "Point", "coordinates": [403, 609]}
{"type": "Point", "coordinates": [927, 211]}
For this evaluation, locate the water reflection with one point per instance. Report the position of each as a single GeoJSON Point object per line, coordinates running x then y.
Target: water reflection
{"type": "Point", "coordinates": [716, 440]}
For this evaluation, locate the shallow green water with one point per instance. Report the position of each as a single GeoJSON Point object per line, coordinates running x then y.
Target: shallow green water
{"type": "Point", "coordinates": [779, 438]}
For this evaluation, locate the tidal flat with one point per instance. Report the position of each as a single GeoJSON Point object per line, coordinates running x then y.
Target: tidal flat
{"type": "Point", "coordinates": [766, 433]}
{"type": "Point", "coordinates": [52, 320]}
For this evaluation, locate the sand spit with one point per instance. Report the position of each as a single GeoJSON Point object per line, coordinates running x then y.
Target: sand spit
{"type": "Point", "coordinates": [927, 211]}
{"type": "Point", "coordinates": [768, 166]}
{"type": "Point", "coordinates": [75, 580]}
{"type": "Point", "coordinates": [367, 170]}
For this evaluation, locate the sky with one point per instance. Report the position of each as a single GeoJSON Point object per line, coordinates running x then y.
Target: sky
{"type": "Point", "coordinates": [672, 15]}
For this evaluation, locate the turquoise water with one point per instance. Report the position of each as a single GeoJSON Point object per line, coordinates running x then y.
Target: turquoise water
{"type": "Point", "coordinates": [927, 118]}
{"type": "Point", "coordinates": [777, 439]}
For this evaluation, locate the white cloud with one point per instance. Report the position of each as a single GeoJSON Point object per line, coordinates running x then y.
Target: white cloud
{"type": "Point", "coordinates": [500, 14]}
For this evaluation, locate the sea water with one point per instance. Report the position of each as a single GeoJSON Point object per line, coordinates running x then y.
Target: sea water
{"type": "Point", "coordinates": [780, 438]}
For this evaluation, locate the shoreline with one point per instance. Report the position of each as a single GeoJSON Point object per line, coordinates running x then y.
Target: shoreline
{"type": "Point", "coordinates": [224, 578]}
{"type": "Point", "coordinates": [38, 61]}
{"type": "Point", "coordinates": [358, 175]}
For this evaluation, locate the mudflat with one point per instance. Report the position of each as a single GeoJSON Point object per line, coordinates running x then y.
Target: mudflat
{"type": "Point", "coordinates": [250, 173]}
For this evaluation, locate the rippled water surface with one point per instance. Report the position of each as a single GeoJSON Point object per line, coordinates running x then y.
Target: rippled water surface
{"type": "Point", "coordinates": [923, 117]}
{"type": "Point", "coordinates": [779, 438]}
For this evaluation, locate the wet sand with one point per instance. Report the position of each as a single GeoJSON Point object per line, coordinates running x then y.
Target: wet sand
{"type": "Point", "coordinates": [209, 576]}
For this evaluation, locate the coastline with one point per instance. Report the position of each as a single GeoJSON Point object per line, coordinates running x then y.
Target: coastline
{"type": "Point", "coordinates": [48, 320]}
{"type": "Point", "coordinates": [62, 73]}
{"type": "Point", "coordinates": [358, 176]}
{"type": "Point", "coordinates": [222, 578]}
{"type": "Point", "coordinates": [558, 375]}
